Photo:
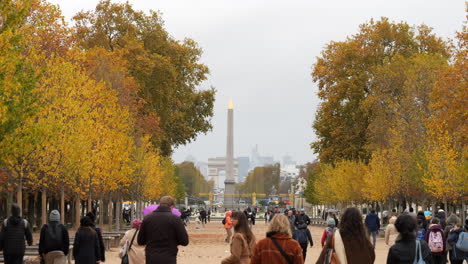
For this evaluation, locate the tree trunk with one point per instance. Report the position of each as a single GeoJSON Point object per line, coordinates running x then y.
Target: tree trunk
{"type": "Point", "coordinates": [118, 213]}
{"type": "Point", "coordinates": [44, 206]}
{"type": "Point", "coordinates": [19, 194]}
{"type": "Point", "coordinates": [110, 214]}
{"type": "Point", "coordinates": [77, 211]}
{"type": "Point", "coordinates": [446, 206]}
{"type": "Point", "coordinates": [90, 202]}
{"type": "Point", "coordinates": [101, 212]}
{"type": "Point", "coordinates": [62, 205]}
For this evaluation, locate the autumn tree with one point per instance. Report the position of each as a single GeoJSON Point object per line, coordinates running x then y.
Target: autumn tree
{"type": "Point", "coordinates": [192, 178]}
{"type": "Point", "coordinates": [262, 180]}
{"type": "Point", "coordinates": [167, 71]}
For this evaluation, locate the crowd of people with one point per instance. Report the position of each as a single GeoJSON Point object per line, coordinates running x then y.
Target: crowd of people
{"type": "Point", "coordinates": [411, 237]}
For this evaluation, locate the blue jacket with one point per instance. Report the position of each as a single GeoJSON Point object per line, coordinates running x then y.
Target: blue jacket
{"type": "Point", "coordinates": [372, 222]}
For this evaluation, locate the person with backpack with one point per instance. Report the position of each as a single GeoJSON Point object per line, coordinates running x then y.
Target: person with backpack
{"type": "Point", "coordinates": [227, 222]}
{"type": "Point", "coordinates": [331, 228]}
{"type": "Point", "coordinates": [278, 247]}
{"type": "Point", "coordinates": [86, 247]}
{"type": "Point", "coordinates": [421, 233]}
{"type": "Point", "coordinates": [15, 232]}
{"type": "Point", "coordinates": [458, 239]}
{"type": "Point", "coordinates": [436, 240]}
{"type": "Point", "coordinates": [243, 241]}
{"type": "Point", "coordinates": [373, 225]}
{"type": "Point", "coordinates": [303, 236]}
{"type": "Point", "coordinates": [391, 233]}
{"type": "Point", "coordinates": [452, 221]}
{"type": "Point", "coordinates": [54, 241]}
{"type": "Point", "coordinates": [408, 249]}
{"type": "Point", "coordinates": [302, 216]}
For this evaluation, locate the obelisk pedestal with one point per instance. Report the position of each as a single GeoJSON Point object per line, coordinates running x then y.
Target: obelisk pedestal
{"type": "Point", "coordinates": [230, 183]}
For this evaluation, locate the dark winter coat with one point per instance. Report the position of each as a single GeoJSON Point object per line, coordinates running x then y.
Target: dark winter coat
{"type": "Point", "coordinates": [302, 217]}
{"type": "Point", "coordinates": [423, 219]}
{"type": "Point", "coordinates": [403, 252]}
{"type": "Point", "coordinates": [162, 232]}
{"type": "Point", "coordinates": [54, 236]}
{"type": "Point", "coordinates": [452, 220]}
{"type": "Point", "coordinates": [86, 249]}
{"type": "Point", "coordinates": [452, 240]}
{"type": "Point", "coordinates": [15, 231]}
{"type": "Point", "coordinates": [434, 229]}
{"type": "Point", "coordinates": [372, 222]}
{"type": "Point", "coordinates": [303, 229]}
{"type": "Point", "coordinates": [442, 217]}
{"type": "Point", "coordinates": [102, 248]}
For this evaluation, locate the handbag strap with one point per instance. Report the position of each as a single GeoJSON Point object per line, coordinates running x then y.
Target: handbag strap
{"type": "Point", "coordinates": [133, 238]}
{"type": "Point", "coordinates": [281, 250]}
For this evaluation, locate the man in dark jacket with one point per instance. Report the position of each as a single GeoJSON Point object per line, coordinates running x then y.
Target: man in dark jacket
{"type": "Point", "coordinates": [302, 217]}
{"type": "Point", "coordinates": [162, 232]}
{"type": "Point", "coordinates": [54, 239]}
{"type": "Point", "coordinates": [15, 231]}
{"type": "Point", "coordinates": [437, 257]}
{"type": "Point", "coordinates": [102, 248]}
{"type": "Point", "coordinates": [373, 225]}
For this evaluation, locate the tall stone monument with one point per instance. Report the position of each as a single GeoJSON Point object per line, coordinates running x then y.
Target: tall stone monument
{"type": "Point", "coordinates": [230, 183]}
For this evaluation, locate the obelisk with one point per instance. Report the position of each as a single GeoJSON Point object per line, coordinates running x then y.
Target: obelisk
{"type": "Point", "coordinates": [229, 183]}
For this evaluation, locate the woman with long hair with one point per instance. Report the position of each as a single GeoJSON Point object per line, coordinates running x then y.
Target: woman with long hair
{"type": "Point", "coordinates": [350, 242]}
{"type": "Point", "coordinates": [278, 247]}
{"type": "Point", "coordinates": [86, 249]}
{"type": "Point", "coordinates": [243, 240]}
{"type": "Point", "coordinates": [408, 249]}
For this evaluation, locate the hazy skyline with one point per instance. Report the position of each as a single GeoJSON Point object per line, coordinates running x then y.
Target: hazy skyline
{"type": "Point", "coordinates": [260, 54]}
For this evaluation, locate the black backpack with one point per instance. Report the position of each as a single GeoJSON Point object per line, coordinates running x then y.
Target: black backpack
{"type": "Point", "coordinates": [54, 236]}
{"type": "Point", "coordinates": [224, 221]}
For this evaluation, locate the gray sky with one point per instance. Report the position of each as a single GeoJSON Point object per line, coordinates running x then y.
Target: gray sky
{"type": "Point", "coordinates": [261, 53]}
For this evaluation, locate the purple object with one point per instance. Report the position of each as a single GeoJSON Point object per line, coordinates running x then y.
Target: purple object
{"type": "Point", "coordinates": [153, 207]}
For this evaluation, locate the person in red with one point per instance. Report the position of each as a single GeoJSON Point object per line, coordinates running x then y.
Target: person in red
{"type": "Point", "coordinates": [278, 247]}
{"type": "Point", "coordinates": [228, 226]}
{"type": "Point", "coordinates": [328, 231]}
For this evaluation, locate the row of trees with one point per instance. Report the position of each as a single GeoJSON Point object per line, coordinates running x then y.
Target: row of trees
{"type": "Point", "coordinates": [392, 124]}
{"type": "Point", "coordinates": [261, 180]}
{"type": "Point", "coordinates": [93, 111]}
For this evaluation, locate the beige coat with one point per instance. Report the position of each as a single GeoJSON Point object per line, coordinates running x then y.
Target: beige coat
{"type": "Point", "coordinates": [240, 251]}
{"type": "Point", "coordinates": [136, 255]}
{"type": "Point", "coordinates": [391, 234]}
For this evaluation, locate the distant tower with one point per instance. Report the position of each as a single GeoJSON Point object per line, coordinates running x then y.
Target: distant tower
{"type": "Point", "coordinates": [230, 183]}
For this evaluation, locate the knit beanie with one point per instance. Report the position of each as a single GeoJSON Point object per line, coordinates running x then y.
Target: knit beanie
{"type": "Point", "coordinates": [54, 216]}
{"type": "Point", "coordinates": [331, 222]}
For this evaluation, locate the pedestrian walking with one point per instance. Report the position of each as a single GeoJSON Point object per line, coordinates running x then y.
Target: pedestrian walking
{"type": "Point", "coordinates": [129, 245]}
{"type": "Point", "coordinates": [292, 221]}
{"type": "Point", "coordinates": [451, 222]}
{"type": "Point", "coordinates": [423, 219]}
{"type": "Point", "coordinates": [350, 241]}
{"type": "Point", "coordinates": [437, 242]}
{"type": "Point", "coordinates": [329, 230]}
{"type": "Point", "coordinates": [161, 232]}
{"type": "Point", "coordinates": [54, 241]}
{"type": "Point", "coordinates": [421, 233]}
{"type": "Point", "coordinates": [278, 247]}
{"type": "Point", "coordinates": [459, 251]}
{"type": "Point", "coordinates": [15, 232]}
{"type": "Point", "coordinates": [443, 220]}
{"type": "Point", "coordinates": [373, 225]}
{"type": "Point", "coordinates": [302, 216]}
{"type": "Point", "coordinates": [102, 254]}
{"type": "Point", "coordinates": [209, 215]}
{"type": "Point", "coordinates": [408, 249]}
{"type": "Point", "coordinates": [266, 216]}
{"type": "Point", "coordinates": [228, 226]}
{"type": "Point", "coordinates": [203, 216]}
{"type": "Point", "coordinates": [391, 233]}
{"type": "Point", "coordinates": [86, 247]}
{"type": "Point", "coordinates": [243, 240]}
{"type": "Point", "coordinates": [303, 237]}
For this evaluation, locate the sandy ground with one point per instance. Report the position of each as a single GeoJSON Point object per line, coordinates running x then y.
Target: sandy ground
{"type": "Point", "coordinates": [207, 245]}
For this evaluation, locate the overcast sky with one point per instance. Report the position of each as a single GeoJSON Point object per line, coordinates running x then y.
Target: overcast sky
{"type": "Point", "coordinates": [260, 54]}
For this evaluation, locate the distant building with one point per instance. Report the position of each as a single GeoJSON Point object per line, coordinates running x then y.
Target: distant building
{"type": "Point", "coordinates": [203, 168]}
{"type": "Point", "coordinates": [289, 172]}
{"type": "Point", "coordinates": [260, 161]}
{"type": "Point", "coordinates": [217, 171]}
{"type": "Point", "coordinates": [288, 161]}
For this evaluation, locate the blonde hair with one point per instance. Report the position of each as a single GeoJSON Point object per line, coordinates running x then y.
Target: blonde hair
{"type": "Point", "coordinates": [167, 201]}
{"type": "Point", "coordinates": [279, 224]}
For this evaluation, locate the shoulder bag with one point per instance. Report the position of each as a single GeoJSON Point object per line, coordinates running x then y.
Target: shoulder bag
{"type": "Point", "coordinates": [281, 251]}
{"type": "Point", "coordinates": [125, 257]}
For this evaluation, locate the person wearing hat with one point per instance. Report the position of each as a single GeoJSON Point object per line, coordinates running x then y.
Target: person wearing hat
{"type": "Point", "coordinates": [302, 217]}
{"type": "Point", "coordinates": [54, 241]}
{"type": "Point", "coordinates": [331, 227]}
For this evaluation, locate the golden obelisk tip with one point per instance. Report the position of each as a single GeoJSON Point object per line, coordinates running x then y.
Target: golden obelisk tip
{"type": "Point", "coordinates": [231, 105]}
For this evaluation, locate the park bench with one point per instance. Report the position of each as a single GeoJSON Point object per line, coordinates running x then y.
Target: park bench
{"type": "Point", "coordinates": [115, 238]}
